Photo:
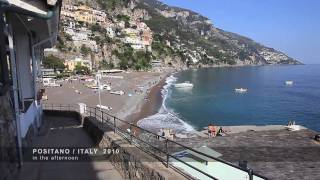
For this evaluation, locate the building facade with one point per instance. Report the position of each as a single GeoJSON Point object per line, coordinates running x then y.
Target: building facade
{"type": "Point", "coordinates": [26, 28]}
{"type": "Point", "coordinates": [71, 64]}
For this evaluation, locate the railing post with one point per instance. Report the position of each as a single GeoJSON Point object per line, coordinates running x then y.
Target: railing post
{"type": "Point", "coordinates": [90, 111]}
{"type": "Point", "coordinates": [130, 133]}
{"type": "Point", "coordinates": [114, 124]}
{"type": "Point", "coordinates": [167, 153]}
{"type": "Point", "coordinates": [52, 107]}
{"type": "Point", "coordinates": [60, 107]}
{"type": "Point", "coordinates": [95, 113]}
{"type": "Point", "coordinates": [102, 116]}
{"type": "Point", "coordinates": [250, 172]}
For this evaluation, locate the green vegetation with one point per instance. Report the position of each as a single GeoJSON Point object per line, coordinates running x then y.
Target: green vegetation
{"type": "Point", "coordinates": [124, 18]}
{"type": "Point", "coordinates": [53, 62]}
{"type": "Point", "coordinates": [130, 59]}
{"type": "Point", "coordinates": [105, 65]}
{"type": "Point", "coordinates": [96, 28]}
{"type": "Point", "coordinates": [112, 4]}
{"type": "Point", "coordinates": [79, 69]}
{"type": "Point", "coordinates": [85, 50]}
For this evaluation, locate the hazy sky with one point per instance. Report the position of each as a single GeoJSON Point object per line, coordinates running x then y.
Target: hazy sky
{"type": "Point", "coordinates": [291, 26]}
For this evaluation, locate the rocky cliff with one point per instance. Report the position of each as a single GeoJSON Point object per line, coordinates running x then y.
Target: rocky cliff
{"type": "Point", "coordinates": [174, 36]}
{"type": "Point", "coordinates": [196, 36]}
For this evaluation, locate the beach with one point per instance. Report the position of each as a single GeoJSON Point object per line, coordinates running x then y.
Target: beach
{"type": "Point", "coordinates": [142, 94]}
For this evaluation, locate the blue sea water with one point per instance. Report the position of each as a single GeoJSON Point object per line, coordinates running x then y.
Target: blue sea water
{"type": "Point", "coordinates": [213, 99]}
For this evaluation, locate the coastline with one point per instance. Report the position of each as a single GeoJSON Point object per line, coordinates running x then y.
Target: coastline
{"type": "Point", "coordinates": [150, 106]}
{"type": "Point", "coordinates": [136, 85]}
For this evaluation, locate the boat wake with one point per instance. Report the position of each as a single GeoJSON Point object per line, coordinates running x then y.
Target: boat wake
{"type": "Point", "coordinates": [166, 117]}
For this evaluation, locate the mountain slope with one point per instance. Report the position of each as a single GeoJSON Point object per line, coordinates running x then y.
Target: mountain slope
{"type": "Point", "coordinates": [201, 42]}
{"type": "Point", "coordinates": [135, 33]}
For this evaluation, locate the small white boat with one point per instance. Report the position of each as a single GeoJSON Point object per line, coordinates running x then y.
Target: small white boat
{"type": "Point", "coordinates": [289, 82]}
{"type": "Point", "coordinates": [108, 108]}
{"type": "Point", "coordinates": [103, 86]}
{"type": "Point", "coordinates": [50, 82]}
{"type": "Point", "coordinates": [185, 84]}
{"type": "Point", "coordinates": [117, 92]}
{"type": "Point", "coordinates": [240, 90]}
{"type": "Point", "coordinates": [293, 127]}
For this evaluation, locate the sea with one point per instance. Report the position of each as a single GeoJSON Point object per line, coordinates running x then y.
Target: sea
{"type": "Point", "coordinates": [268, 100]}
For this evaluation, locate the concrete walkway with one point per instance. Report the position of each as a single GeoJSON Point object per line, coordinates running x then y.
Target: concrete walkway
{"type": "Point", "coordinates": [65, 132]}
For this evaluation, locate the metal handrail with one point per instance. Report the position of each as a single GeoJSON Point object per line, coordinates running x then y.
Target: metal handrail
{"type": "Point", "coordinates": [92, 111]}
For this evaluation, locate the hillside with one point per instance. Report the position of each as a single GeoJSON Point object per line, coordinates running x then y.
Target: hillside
{"type": "Point", "coordinates": [199, 38]}
{"type": "Point", "coordinates": [132, 34]}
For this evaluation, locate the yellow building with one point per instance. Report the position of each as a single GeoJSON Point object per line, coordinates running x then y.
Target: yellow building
{"type": "Point", "coordinates": [71, 64]}
{"type": "Point", "coordinates": [89, 15]}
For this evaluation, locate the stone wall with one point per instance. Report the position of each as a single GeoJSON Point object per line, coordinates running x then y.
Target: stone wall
{"type": "Point", "coordinates": [64, 113]}
{"type": "Point", "coordinates": [131, 162]}
{"type": "Point", "coordinates": [8, 146]}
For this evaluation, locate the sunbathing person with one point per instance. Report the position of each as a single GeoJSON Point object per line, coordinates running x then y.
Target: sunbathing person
{"type": "Point", "coordinates": [221, 132]}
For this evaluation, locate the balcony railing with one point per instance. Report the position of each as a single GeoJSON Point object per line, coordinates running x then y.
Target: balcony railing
{"type": "Point", "coordinates": [158, 146]}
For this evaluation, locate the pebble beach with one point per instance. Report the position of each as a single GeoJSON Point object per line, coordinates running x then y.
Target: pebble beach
{"type": "Point", "coordinates": [141, 98]}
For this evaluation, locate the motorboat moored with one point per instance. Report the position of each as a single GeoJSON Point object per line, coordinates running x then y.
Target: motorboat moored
{"type": "Point", "coordinates": [289, 82]}
{"type": "Point", "coordinates": [241, 90]}
{"type": "Point", "coordinates": [185, 84]}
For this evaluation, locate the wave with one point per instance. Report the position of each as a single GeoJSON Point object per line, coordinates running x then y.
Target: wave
{"type": "Point", "coordinates": [166, 117]}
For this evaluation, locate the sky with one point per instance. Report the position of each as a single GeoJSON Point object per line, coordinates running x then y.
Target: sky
{"type": "Point", "coordinates": [291, 26]}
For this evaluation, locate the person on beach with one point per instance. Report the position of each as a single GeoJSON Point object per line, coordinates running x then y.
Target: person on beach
{"type": "Point", "coordinates": [211, 130]}
{"type": "Point", "coordinates": [221, 132]}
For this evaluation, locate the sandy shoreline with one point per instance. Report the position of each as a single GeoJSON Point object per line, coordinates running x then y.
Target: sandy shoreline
{"type": "Point", "coordinates": [152, 105]}
{"type": "Point", "coordinates": [142, 94]}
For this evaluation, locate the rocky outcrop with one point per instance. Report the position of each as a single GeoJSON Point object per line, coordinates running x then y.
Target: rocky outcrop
{"type": "Point", "coordinates": [176, 34]}
{"type": "Point", "coordinates": [202, 43]}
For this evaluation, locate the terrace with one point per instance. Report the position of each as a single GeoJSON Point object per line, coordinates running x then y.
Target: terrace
{"type": "Point", "coordinates": [142, 153]}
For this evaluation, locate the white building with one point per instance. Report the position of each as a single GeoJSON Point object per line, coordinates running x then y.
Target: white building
{"type": "Point", "coordinates": [111, 33]}
{"type": "Point", "coordinates": [80, 35]}
{"type": "Point", "coordinates": [26, 28]}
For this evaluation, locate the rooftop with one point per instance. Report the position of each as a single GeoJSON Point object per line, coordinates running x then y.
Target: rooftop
{"type": "Point", "coordinates": [276, 154]}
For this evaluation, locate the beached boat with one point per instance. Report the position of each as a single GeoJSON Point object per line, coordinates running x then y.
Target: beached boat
{"type": "Point", "coordinates": [185, 84]}
{"type": "Point", "coordinates": [117, 92]}
{"type": "Point", "coordinates": [241, 90]}
{"type": "Point", "coordinates": [289, 82]}
{"type": "Point", "coordinates": [293, 127]}
{"type": "Point", "coordinates": [104, 86]}
{"type": "Point", "coordinates": [108, 108]}
{"type": "Point", "coordinates": [50, 82]}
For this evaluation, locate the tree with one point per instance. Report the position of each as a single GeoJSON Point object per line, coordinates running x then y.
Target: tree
{"type": "Point", "coordinates": [53, 62]}
{"type": "Point", "coordinates": [105, 65]}
{"type": "Point", "coordinates": [96, 28]}
{"type": "Point", "coordinates": [79, 69]}
{"type": "Point", "coordinates": [85, 50]}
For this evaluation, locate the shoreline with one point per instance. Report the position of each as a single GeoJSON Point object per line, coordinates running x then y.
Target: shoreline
{"type": "Point", "coordinates": [153, 103]}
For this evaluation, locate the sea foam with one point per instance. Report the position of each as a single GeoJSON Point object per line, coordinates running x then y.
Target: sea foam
{"type": "Point", "coordinates": [166, 117]}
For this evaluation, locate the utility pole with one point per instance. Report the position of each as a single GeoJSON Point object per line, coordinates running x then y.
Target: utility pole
{"type": "Point", "coordinates": [98, 77]}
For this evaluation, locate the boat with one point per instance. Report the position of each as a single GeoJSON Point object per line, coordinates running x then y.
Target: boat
{"type": "Point", "coordinates": [185, 84]}
{"type": "Point", "coordinates": [50, 82]}
{"type": "Point", "coordinates": [108, 108]}
{"type": "Point", "coordinates": [117, 92]}
{"type": "Point", "coordinates": [241, 90]}
{"type": "Point", "coordinates": [293, 127]}
{"type": "Point", "coordinates": [289, 82]}
{"type": "Point", "coordinates": [103, 86]}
